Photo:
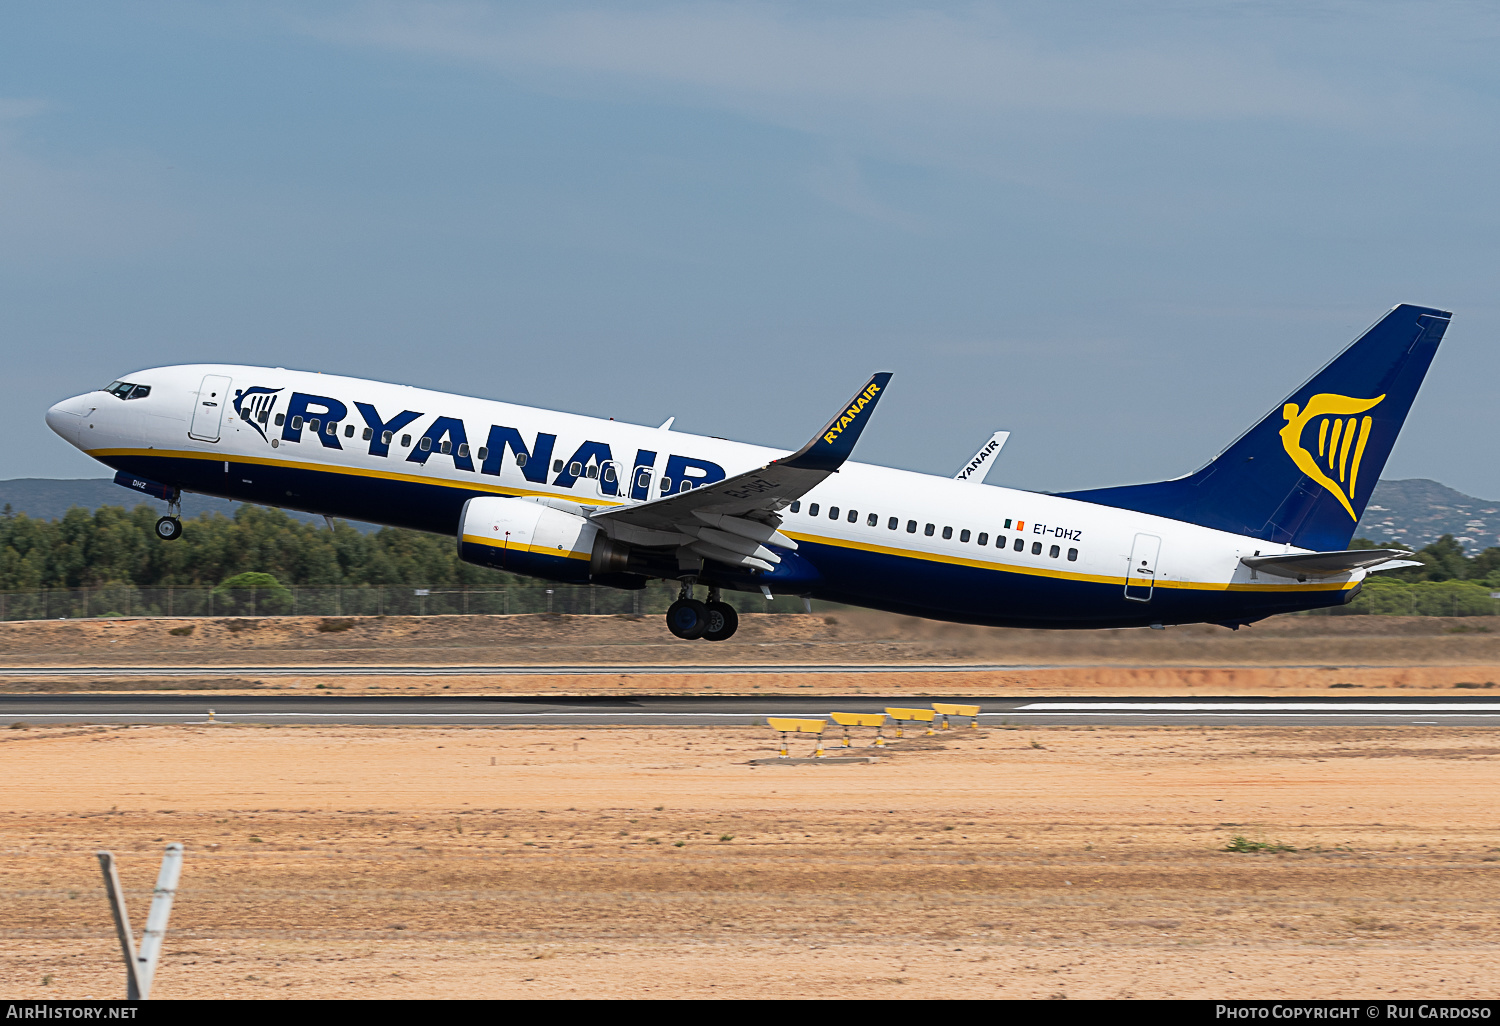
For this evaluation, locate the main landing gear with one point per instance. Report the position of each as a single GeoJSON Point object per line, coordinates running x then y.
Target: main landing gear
{"type": "Point", "coordinates": [169, 527]}
{"type": "Point", "coordinates": [689, 619]}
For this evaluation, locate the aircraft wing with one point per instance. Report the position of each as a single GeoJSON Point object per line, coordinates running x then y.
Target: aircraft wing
{"type": "Point", "coordinates": [731, 521]}
{"type": "Point", "coordinates": [1302, 565]}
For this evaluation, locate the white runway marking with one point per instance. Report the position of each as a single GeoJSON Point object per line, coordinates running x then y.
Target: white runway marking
{"type": "Point", "coordinates": [1256, 707]}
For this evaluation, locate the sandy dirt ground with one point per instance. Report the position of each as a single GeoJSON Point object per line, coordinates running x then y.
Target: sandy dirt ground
{"type": "Point", "coordinates": [598, 862]}
{"type": "Point", "coordinates": [1292, 655]}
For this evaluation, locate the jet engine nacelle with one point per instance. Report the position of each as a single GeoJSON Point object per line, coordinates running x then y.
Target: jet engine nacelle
{"type": "Point", "coordinates": [529, 538]}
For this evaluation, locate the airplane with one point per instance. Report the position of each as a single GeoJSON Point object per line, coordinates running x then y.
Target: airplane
{"type": "Point", "coordinates": [1263, 528]}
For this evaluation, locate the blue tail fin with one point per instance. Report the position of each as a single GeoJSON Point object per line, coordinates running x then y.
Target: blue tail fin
{"type": "Point", "coordinates": [1302, 475]}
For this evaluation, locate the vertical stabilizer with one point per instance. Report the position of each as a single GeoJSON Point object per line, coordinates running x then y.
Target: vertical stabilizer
{"type": "Point", "coordinates": [1303, 475]}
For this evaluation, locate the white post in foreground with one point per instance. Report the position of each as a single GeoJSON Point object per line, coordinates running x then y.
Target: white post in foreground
{"type": "Point", "coordinates": [140, 967]}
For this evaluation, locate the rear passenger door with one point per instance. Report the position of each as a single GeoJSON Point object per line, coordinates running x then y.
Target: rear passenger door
{"type": "Point", "coordinates": [1140, 575]}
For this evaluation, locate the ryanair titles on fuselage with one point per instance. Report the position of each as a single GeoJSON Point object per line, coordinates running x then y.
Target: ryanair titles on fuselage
{"type": "Point", "coordinates": [306, 416]}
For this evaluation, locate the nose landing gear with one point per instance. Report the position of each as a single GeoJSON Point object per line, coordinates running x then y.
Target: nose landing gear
{"type": "Point", "coordinates": [169, 527]}
{"type": "Point", "coordinates": [689, 619]}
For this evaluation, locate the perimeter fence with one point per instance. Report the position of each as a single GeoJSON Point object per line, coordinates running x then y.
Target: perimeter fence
{"type": "Point", "coordinates": [124, 600]}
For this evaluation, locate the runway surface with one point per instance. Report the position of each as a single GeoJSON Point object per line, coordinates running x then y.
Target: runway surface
{"type": "Point", "coordinates": [562, 669]}
{"type": "Point", "coordinates": [551, 670]}
{"type": "Point", "coordinates": [42, 710]}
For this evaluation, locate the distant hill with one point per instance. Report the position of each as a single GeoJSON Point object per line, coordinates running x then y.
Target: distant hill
{"type": "Point", "coordinates": [49, 499]}
{"type": "Point", "coordinates": [1418, 511]}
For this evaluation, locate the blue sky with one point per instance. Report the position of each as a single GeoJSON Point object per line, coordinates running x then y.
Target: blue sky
{"type": "Point", "coordinates": [1123, 231]}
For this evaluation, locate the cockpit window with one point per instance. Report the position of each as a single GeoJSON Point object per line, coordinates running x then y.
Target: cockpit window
{"type": "Point", "coordinates": [126, 390]}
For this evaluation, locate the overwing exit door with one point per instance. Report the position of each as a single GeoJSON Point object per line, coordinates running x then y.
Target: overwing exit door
{"type": "Point", "coordinates": [1140, 575]}
{"type": "Point", "coordinates": [208, 411]}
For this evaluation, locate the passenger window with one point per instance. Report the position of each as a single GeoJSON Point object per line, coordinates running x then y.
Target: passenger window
{"type": "Point", "coordinates": [368, 434]}
{"type": "Point", "coordinates": [1036, 548]}
{"type": "Point", "coordinates": [872, 521]}
{"type": "Point", "coordinates": [280, 419]}
{"type": "Point", "coordinates": [929, 530]}
{"type": "Point", "coordinates": [385, 438]}
{"type": "Point", "coordinates": [666, 484]}
{"type": "Point", "coordinates": [332, 428]}
{"type": "Point", "coordinates": [592, 471]}
{"type": "Point", "coordinates": [483, 453]}
{"type": "Point", "coordinates": [296, 423]}
{"type": "Point", "coordinates": [890, 525]}
{"type": "Point", "coordinates": [1020, 545]}
{"type": "Point", "coordinates": [348, 430]}
{"type": "Point", "coordinates": [556, 466]}
{"type": "Point", "coordinates": [575, 468]}
{"type": "Point", "coordinates": [853, 516]}
{"type": "Point", "coordinates": [963, 535]}
{"type": "Point", "coordinates": [463, 450]}
{"type": "Point", "coordinates": [425, 444]}
{"type": "Point", "coordinates": [1000, 541]}
{"type": "Point", "coordinates": [685, 485]}
{"type": "Point", "coordinates": [947, 533]}
{"type": "Point", "coordinates": [314, 424]}
{"type": "Point", "coordinates": [446, 447]}
{"type": "Point", "coordinates": [833, 512]}
{"type": "Point", "coordinates": [406, 441]}
{"type": "Point", "coordinates": [812, 509]}
{"type": "Point", "coordinates": [1054, 552]}
{"type": "Point", "coordinates": [911, 527]}
{"type": "Point", "coordinates": [797, 506]}
{"type": "Point", "coordinates": [609, 475]}
{"type": "Point", "coordinates": [1072, 555]}
{"type": "Point", "coordinates": [520, 457]}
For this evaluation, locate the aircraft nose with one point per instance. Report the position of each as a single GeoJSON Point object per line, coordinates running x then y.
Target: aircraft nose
{"type": "Point", "coordinates": [66, 417]}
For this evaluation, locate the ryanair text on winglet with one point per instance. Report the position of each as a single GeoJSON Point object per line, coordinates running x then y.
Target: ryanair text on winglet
{"type": "Point", "coordinates": [848, 416]}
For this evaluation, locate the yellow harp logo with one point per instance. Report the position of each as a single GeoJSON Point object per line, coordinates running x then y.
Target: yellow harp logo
{"type": "Point", "coordinates": [1342, 435]}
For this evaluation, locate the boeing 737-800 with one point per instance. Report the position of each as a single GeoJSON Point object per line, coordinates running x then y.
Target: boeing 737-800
{"type": "Point", "coordinates": [1263, 528]}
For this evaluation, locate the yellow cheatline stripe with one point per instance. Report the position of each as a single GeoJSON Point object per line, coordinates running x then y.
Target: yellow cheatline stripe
{"type": "Point", "coordinates": [496, 543]}
{"type": "Point", "coordinates": [324, 468]}
{"type": "Point", "coordinates": [497, 489]}
{"type": "Point", "coordinates": [1065, 575]}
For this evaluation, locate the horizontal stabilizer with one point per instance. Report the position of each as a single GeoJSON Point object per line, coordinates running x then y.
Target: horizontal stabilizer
{"type": "Point", "coordinates": [1328, 564]}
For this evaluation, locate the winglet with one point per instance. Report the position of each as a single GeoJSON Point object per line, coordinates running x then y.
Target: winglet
{"type": "Point", "coordinates": [832, 446]}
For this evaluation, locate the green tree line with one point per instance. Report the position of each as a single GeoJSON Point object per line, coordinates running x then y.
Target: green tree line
{"type": "Point", "coordinates": [113, 545]}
